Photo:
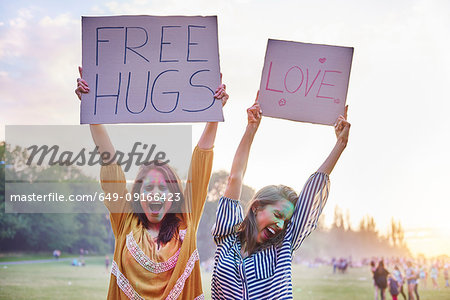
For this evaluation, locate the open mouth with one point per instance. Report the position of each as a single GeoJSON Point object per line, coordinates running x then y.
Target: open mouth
{"type": "Point", "coordinates": [269, 233]}
{"type": "Point", "coordinates": [155, 207]}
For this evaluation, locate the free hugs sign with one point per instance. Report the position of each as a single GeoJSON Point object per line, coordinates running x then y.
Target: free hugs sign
{"type": "Point", "coordinates": [143, 69]}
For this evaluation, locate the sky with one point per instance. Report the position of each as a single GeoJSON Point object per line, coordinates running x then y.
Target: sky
{"type": "Point", "coordinates": [396, 163]}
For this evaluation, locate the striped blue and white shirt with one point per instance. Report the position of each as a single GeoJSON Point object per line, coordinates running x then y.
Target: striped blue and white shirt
{"type": "Point", "coordinates": [265, 274]}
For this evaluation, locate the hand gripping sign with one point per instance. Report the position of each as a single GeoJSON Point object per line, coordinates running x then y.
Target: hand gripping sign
{"type": "Point", "coordinates": [305, 82]}
{"type": "Point", "coordinates": [150, 69]}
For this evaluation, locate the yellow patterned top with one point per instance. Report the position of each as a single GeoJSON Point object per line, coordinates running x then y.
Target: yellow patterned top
{"type": "Point", "coordinates": [142, 271]}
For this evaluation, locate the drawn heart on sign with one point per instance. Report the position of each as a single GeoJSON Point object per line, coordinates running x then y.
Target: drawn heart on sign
{"type": "Point", "coordinates": [282, 102]}
{"type": "Point", "coordinates": [322, 60]}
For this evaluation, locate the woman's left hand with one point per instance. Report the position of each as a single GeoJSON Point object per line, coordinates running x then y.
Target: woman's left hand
{"type": "Point", "coordinates": [221, 92]}
{"type": "Point", "coordinates": [342, 127]}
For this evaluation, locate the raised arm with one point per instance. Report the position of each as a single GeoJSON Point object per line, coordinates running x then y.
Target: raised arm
{"type": "Point", "coordinates": [201, 165]}
{"type": "Point", "coordinates": [234, 185]}
{"type": "Point", "coordinates": [229, 211]}
{"type": "Point", "coordinates": [102, 141]}
{"type": "Point", "coordinates": [314, 195]}
{"type": "Point", "coordinates": [342, 129]}
{"type": "Point", "coordinates": [98, 131]}
{"type": "Point", "coordinates": [112, 177]}
{"type": "Point", "coordinates": [209, 133]}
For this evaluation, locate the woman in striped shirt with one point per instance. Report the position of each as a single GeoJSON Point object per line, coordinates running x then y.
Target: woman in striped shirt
{"type": "Point", "coordinates": [254, 253]}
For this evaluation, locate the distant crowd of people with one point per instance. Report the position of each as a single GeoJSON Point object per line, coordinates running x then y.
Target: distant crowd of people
{"type": "Point", "coordinates": [340, 264]}
{"type": "Point", "coordinates": [80, 262]}
{"type": "Point", "coordinates": [406, 271]}
{"type": "Point", "coordinates": [399, 276]}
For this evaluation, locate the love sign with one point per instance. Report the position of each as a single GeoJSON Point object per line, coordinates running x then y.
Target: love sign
{"type": "Point", "coordinates": [150, 69]}
{"type": "Point", "coordinates": [305, 82]}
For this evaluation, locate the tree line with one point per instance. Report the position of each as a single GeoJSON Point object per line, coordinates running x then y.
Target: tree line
{"type": "Point", "coordinates": [40, 232]}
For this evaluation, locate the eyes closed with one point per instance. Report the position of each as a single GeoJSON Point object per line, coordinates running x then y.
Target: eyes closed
{"type": "Point", "coordinates": [151, 187]}
{"type": "Point", "coordinates": [279, 215]}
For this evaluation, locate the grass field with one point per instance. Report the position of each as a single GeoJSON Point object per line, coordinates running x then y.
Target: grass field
{"type": "Point", "coordinates": [27, 256]}
{"type": "Point", "coordinates": [59, 280]}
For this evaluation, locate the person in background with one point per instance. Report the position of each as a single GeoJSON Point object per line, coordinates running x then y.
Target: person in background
{"type": "Point", "coordinates": [423, 276]}
{"type": "Point", "coordinates": [373, 267]}
{"type": "Point", "coordinates": [446, 275]}
{"type": "Point", "coordinates": [399, 278]}
{"type": "Point", "coordinates": [380, 277]}
{"type": "Point", "coordinates": [434, 271]}
{"type": "Point", "coordinates": [107, 262]}
{"type": "Point", "coordinates": [393, 287]}
{"type": "Point", "coordinates": [334, 263]}
{"type": "Point", "coordinates": [416, 284]}
{"type": "Point", "coordinates": [411, 278]}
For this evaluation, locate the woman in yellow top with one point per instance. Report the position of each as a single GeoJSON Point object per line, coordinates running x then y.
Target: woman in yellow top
{"type": "Point", "coordinates": [156, 254]}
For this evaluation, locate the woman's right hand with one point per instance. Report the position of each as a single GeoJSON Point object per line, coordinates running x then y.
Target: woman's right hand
{"type": "Point", "coordinates": [254, 113]}
{"type": "Point", "coordinates": [82, 86]}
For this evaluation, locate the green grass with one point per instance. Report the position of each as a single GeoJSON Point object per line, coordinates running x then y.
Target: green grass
{"type": "Point", "coordinates": [6, 257]}
{"type": "Point", "coordinates": [55, 280]}
{"type": "Point", "coordinates": [59, 280]}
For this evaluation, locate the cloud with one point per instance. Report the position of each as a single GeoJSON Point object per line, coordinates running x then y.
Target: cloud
{"type": "Point", "coordinates": [38, 68]}
{"type": "Point", "coordinates": [168, 7]}
{"type": "Point", "coordinates": [23, 16]}
{"type": "Point", "coordinates": [62, 20]}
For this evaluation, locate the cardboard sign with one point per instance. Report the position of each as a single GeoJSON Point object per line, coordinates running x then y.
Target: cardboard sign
{"type": "Point", "coordinates": [150, 69]}
{"type": "Point", "coordinates": [305, 82]}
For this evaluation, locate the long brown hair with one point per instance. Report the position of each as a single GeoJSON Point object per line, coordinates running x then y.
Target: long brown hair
{"type": "Point", "coordinates": [170, 222]}
{"type": "Point", "coordinates": [248, 229]}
